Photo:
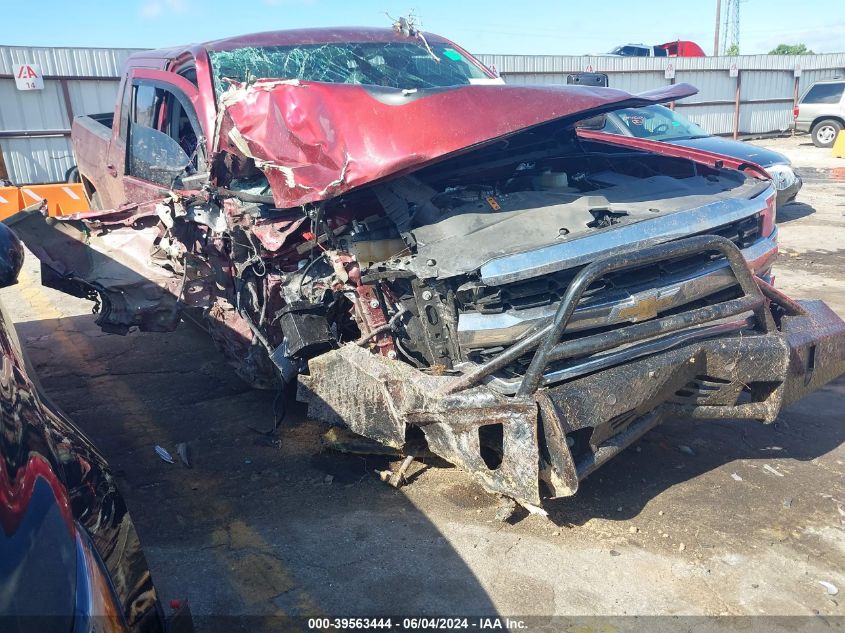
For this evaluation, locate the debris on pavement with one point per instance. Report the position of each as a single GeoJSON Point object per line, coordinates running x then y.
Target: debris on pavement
{"type": "Point", "coordinates": [534, 509]}
{"type": "Point", "coordinates": [832, 589]}
{"type": "Point", "coordinates": [787, 503]}
{"type": "Point", "coordinates": [685, 449]}
{"type": "Point", "coordinates": [507, 507]}
{"type": "Point", "coordinates": [736, 477]}
{"type": "Point", "coordinates": [396, 479]}
{"type": "Point", "coordinates": [774, 471]}
{"type": "Point", "coordinates": [165, 456]}
{"type": "Point", "coordinates": [184, 453]}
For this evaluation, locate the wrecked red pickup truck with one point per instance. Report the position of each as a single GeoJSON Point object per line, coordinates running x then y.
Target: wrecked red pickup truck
{"type": "Point", "coordinates": [443, 260]}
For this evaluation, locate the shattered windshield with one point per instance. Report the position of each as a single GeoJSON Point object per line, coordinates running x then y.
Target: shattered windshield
{"type": "Point", "coordinates": [402, 65]}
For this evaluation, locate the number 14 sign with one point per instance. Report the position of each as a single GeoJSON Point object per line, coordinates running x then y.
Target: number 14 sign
{"type": "Point", "coordinates": [29, 77]}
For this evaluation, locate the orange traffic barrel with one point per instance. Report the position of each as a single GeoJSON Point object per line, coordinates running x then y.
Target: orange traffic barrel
{"type": "Point", "coordinates": [10, 201]}
{"type": "Point", "coordinates": [62, 199]}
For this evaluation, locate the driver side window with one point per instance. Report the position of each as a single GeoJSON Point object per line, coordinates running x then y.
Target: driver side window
{"type": "Point", "coordinates": [163, 134]}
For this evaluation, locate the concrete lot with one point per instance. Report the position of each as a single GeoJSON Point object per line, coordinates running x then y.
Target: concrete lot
{"type": "Point", "coordinates": [691, 520]}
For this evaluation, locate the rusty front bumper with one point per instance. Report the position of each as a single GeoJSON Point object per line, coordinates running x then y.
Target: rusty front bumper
{"type": "Point", "coordinates": [583, 400]}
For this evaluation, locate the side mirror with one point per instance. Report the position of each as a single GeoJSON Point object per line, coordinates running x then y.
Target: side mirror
{"type": "Point", "coordinates": [155, 156]}
{"type": "Point", "coordinates": [11, 256]}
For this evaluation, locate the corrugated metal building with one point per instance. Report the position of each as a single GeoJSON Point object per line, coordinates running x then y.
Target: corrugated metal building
{"type": "Point", "coordinates": [35, 125]}
{"type": "Point", "coordinates": [758, 100]}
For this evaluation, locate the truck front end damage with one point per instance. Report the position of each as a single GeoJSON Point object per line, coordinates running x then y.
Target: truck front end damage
{"type": "Point", "coordinates": [520, 301]}
{"type": "Point", "coordinates": [580, 400]}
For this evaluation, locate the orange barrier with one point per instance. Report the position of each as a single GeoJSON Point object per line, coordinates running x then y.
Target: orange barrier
{"type": "Point", "coordinates": [10, 201]}
{"type": "Point", "coordinates": [62, 199]}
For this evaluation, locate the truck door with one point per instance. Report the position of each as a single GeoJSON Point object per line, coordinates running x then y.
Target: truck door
{"type": "Point", "coordinates": [110, 184]}
{"type": "Point", "coordinates": [164, 141]}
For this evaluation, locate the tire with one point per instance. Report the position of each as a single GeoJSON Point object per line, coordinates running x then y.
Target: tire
{"type": "Point", "coordinates": [72, 175]}
{"type": "Point", "coordinates": [824, 132]}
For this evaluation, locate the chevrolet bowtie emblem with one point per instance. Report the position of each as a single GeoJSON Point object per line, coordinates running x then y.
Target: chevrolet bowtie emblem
{"type": "Point", "coordinates": [642, 307]}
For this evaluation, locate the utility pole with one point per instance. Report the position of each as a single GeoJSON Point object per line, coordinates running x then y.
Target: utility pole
{"type": "Point", "coordinates": [718, 19]}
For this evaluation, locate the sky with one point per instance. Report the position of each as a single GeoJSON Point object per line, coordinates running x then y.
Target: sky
{"type": "Point", "coordinates": [562, 27]}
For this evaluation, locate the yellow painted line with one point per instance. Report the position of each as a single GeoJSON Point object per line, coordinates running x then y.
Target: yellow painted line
{"type": "Point", "coordinates": [32, 291]}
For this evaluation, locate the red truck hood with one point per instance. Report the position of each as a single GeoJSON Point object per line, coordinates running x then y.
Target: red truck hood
{"type": "Point", "coordinates": [316, 140]}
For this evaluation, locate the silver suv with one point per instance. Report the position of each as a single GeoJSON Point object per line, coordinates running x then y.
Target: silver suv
{"type": "Point", "coordinates": [821, 111]}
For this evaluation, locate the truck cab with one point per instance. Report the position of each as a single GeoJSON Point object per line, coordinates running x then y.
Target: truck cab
{"type": "Point", "coordinates": [639, 50]}
{"type": "Point", "coordinates": [156, 138]}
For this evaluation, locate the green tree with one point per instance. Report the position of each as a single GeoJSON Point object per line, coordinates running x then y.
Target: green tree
{"type": "Point", "coordinates": [733, 49]}
{"type": "Point", "coordinates": [791, 49]}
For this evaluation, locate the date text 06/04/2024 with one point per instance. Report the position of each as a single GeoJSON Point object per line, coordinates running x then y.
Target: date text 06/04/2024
{"type": "Point", "coordinates": [416, 624]}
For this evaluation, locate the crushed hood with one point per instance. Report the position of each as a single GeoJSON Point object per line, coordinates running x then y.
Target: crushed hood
{"type": "Point", "coordinates": [317, 140]}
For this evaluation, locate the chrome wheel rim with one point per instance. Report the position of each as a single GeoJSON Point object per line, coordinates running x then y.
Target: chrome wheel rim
{"type": "Point", "coordinates": [826, 134]}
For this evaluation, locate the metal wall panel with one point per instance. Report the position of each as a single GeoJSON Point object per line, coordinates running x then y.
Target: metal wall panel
{"type": "Point", "coordinates": [767, 83]}
{"type": "Point", "coordinates": [38, 159]}
{"type": "Point", "coordinates": [68, 62]}
{"type": "Point", "coordinates": [810, 76]}
{"type": "Point", "coordinates": [637, 82]}
{"type": "Point", "coordinates": [92, 97]}
{"type": "Point", "coordinates": [716, 119]}
{"type": "Point", "coordinates": [765, 117]}
{"type": "Point", "coordinates": [712, 86]}
{"type": "Point", "coordinates": [32, 110]}
{"type": "Point", "coordinates": [569, 63]}
{"type": "Point", "coordinates": [536, 78]}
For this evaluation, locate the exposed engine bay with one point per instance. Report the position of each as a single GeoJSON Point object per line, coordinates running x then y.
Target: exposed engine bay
{"type": "Point", "coordinates": [392, 267]}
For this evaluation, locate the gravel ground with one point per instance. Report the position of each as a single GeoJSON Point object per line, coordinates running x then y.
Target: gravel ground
{"type": "Point", "coordinates": [700, 518]}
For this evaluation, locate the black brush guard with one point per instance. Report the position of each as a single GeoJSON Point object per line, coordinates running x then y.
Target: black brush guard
{"type": "Point", "coordinates": [742, 358]}
{"type": "Point", "coordinates": [547, 339]}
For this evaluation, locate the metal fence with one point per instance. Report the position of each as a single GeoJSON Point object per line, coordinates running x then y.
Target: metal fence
{"type": "Point", "coordinates": [35, 125]}
{"type": "Point", "coordinates": [756, 96]}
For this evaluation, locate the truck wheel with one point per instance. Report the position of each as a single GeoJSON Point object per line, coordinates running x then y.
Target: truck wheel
{"type": "Point", "coordinates": [72, 175]}
{"type": "Point", "coordinates": [825, 131]}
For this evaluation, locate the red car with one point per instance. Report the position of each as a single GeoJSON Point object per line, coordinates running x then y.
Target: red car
{"type": "Point", "coordinates": [441, 259]}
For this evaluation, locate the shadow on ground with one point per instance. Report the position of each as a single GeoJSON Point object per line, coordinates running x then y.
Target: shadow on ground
{"type": "Point", "coordinates": [131, 393]}
{"type": "Point", "coordinates": [255, 526]}
{"type": "Point", "coordinates": [794, 211]}
{"type": "Point", "coordinates": [678, 451]}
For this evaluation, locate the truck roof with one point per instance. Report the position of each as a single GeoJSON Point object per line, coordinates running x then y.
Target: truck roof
{"type": "Point", "coordinates": [288, 37]}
